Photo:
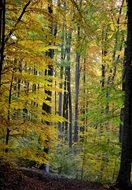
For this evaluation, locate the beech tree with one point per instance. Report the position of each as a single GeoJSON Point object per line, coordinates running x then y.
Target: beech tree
{"type": "Point", "coordinates": [124, 176]}
{"type": "Point", "coordinates": [61, 86]}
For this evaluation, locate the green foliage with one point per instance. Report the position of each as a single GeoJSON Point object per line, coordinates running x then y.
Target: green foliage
{"type": "Point", "coordinates": [94, 159]}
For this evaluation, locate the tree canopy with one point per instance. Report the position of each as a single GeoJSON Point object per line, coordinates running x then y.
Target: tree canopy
{"type": "Point", "coordinates": [65, 70]}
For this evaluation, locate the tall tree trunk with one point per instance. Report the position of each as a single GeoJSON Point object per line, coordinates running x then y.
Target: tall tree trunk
{"type": "Point", "coordinates": [104, 82]}
{"type": "Point", "coordinates": [77, 81]}
{"type": "Point", "coordinates": [68, 73]}
{"type": "Point", "coordinates": [61, 84]}
{"type": "Point", "coordinates": [55, 95]}
{"type": "Point", "coordinates": [2, 34]}
{"type": "Point", "coordinates": [67, 103]}
{"type": "Point", "coordinates": [85, 96]}
{"type": "Point", "coordinates": [49, 72]}
{"type": "Point", "coordinates": [9, 112]}
{"type": "Point", "coordinates": [85, 103]}
{"type": "Point", "coordinates": [124, 176]}
{"type": "Point", "coordinates": [65, 109]}
{"type": "Point", "coordinates": [60, 103]}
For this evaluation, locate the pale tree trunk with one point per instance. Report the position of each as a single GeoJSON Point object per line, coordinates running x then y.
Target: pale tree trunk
{"type": "Point", "coordinates": [60, 101]}
{"type": "Point", "coordinates": [77, 81]}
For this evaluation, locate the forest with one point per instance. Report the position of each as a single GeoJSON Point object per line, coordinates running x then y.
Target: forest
{"type": "Point", "coordinates": [66, 92]}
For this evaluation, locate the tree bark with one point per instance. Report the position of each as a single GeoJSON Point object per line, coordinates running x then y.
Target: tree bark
{"type": "Point", "coordinates": [2, 34]}
{"type": "Point", "coordinates": [67, 103]}
{"type": "Point", "coordinates": [61, 84]}
{"type": "Point", "coordinates": [77, 80]}
{"type": "Point", "coordinates": [60, 103]}
{"type": "Point", "coordinates": [49, 72]}
{"type": "Point", "coordinates": [85, 96]}
{"type": "Point", "coordinates": [68, 73]}
{"type": "Point", "coordinates": [65, 109]}
{"type": "Point", "coordinates": [123, 179]}
{"type": "Point", "coordinates": [9, 112]}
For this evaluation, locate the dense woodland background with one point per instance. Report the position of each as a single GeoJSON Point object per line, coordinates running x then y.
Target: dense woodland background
{"type": "Point", "coordinates": [61, 95]}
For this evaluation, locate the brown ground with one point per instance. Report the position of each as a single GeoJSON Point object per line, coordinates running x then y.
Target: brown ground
{"type": "Point", "coordinates": [32, 179]}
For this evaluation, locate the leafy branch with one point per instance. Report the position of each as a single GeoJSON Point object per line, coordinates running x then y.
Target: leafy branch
{"type": "Point", "coordinates": [18, 20]}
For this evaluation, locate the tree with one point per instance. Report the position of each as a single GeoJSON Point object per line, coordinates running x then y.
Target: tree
{"type": "Point", "coordinates": [124, 176]}
{"type": "Point", "coordinates": [2, 34]}
{"type": "Point", "coordinates": [77, 81]}
{"type": "Point", "coordinates": [49, 72]}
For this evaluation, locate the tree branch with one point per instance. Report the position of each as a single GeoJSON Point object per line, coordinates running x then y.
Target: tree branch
{"type": "Point", "coordinates": [17, 22]}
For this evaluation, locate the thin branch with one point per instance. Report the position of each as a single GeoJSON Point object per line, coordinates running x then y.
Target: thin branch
{"type": "Point", "coordinates": [17, 22]}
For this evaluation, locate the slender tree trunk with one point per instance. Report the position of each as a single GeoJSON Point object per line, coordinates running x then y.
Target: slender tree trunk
{"type": "Point", "coordinates": [60, 103]}
{"type": "Point", "coordinates": [55, 95]}
{"type": "Point", "coordinates": [77, 81]}
{"type": "Point", "coordinates": [103, 70]}
{"type": "Point", "coordinates": [104, 82]}
{"type": "Point", "coordinates": [68, 69]}
{"type": "Point", "coordinates": [115, 59]}
{"type": "Point", "coordinates": [85, 96]}
{"type": "Point", "coordinates": [65, 108]}
{"type": "Point", "coordinates": [2, 34]}
{"type": "Point", "coordinates": [70, 107]}
{"type": "Point", "coordinates": [61, 84]}
{"type": "Point", "coordinates": [85, 103]}
{"type": "Point", "coordinates": [9, 114]}
{"type": "Point", "coordinates": [123, 179]}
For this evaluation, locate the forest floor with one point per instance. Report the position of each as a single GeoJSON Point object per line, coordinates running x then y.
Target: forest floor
{"type": "Point", "coordinates": [33, 179]}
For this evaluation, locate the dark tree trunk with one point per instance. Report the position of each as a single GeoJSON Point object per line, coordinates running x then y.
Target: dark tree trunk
{"type": "Point", "coordinates": [67, 103]}
{"type": "Point", "coordinates": [2, 34]}
{"type": "Point", "coordinates": [117, 43]}
{"type": "Point", "coordinates": [55, 95]}
{"type": "Point", "coordinates": [9, 113]}
{"type": "Point", "coordinates": [49, 72]}
{"type": "Point", "coordinates": [85, 96]}
{"type": "Point", "coordinates": [60, 103]}
{"type": "Point", "coordinates": [105, 83]}
{"type": "Point", "coordinates": [77, 80]}
{"type": "Point", "coordinates": [70, 111]}
{"type": "Point", "coordinates": [103, 69]}
{"type": "Point", "coordinates": [123, 179]}
{"type": "Point", "coordinates": [68, 73]}
{"type": "Point", "coordinates": [65, 108]}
